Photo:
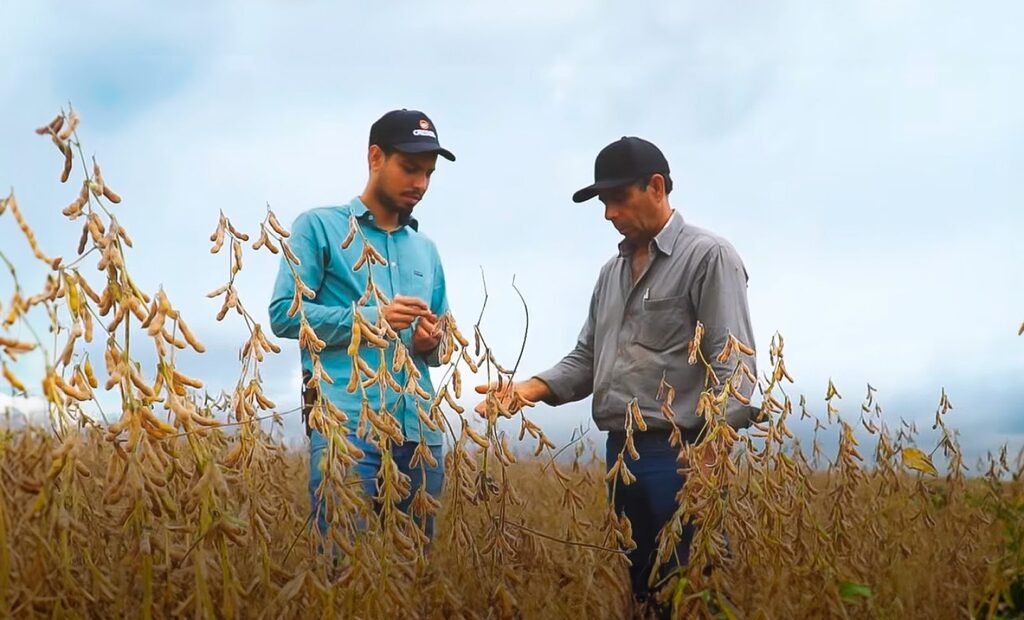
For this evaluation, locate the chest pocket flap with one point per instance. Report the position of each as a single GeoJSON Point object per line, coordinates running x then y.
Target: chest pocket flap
{"type": "Point", "coordinates": [665, 322]}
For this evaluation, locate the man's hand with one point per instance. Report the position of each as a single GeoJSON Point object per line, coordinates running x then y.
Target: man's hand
{"type": "Point", "coordinates": [514, 396]}
{"type": "Point", "coordinates": [403, 310]}
{"type": "Point", "coordinates": [427, 335]}
{"type": "Point", "coordinates": [704, 458]}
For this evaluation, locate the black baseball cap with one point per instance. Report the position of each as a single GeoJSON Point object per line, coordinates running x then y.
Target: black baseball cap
{"type": "Point", "coordinates": [409, 131]}
{"type": "Point", "coordinates": [622, 162]}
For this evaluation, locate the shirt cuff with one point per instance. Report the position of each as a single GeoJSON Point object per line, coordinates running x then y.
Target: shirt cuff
{"type": "Point", "coordinates": [405, 336]}
{"type": "Point", "coordinates": [371, 314]}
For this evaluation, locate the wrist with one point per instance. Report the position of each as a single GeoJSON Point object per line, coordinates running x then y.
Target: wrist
{"type": "Point", "coordinates": [533, 389]}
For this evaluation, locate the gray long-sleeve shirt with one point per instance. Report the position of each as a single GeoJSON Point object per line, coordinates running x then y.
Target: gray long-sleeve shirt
{"type": "Point", "coordinates": [637, 333]}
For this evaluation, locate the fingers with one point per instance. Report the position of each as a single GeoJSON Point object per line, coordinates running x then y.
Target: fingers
{"type": "Point", "coordinates": [426, 330]}
{"type": "Point", "coordinates": [398, 321]}
{"type": "Point", "coordinates": [499, 388]}
{"type": "Point", "coordinates": [411, 302]}
{"type": "Point", "coordinates": [402, 311]}
{"type": "Point", "coordinates": [428, 325]}
{"type": "Point", "coordinates": [481, 407]}
{"type": "Point", "coordinates": [511, 401]}
{"type": "Point", "coordinates": [395, 315]}
{"type": "Point", "coordinates": [406, 312]}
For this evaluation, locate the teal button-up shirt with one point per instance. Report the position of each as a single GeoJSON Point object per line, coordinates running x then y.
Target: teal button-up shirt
{"type": "Point", "coordinates": [413, 268]}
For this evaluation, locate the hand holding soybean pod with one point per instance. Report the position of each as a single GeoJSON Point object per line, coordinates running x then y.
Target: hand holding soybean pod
{"type": "Point", "coordinates": [154, 494]}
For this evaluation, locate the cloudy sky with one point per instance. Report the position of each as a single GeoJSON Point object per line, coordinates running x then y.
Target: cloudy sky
{"type": "Point", "coordinates": [859, 155]}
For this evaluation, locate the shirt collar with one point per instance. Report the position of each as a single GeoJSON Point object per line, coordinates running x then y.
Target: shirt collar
{"type": "Point", "coordinates": [664, 241]}
{"type": "Point", "coordinates": [363, 213]}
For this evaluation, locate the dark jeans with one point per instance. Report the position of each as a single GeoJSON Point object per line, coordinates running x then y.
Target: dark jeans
{"type": "Point", "coordinates": [649, 502]}
{"type": "Point", "coordinates": [366, 471]}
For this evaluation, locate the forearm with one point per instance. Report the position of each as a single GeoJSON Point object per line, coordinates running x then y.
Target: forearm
{"type": "Point", "coordinates": [332, 324]}
{"type": "Point", "coordinates": [569, 380]}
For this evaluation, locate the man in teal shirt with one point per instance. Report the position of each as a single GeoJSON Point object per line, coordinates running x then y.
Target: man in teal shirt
{"type": "Point", "coordinates": [403, 150]}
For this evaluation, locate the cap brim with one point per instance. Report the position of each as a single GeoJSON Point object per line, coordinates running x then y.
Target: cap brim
{"type": "Point", "coordinates": [424, 147]}
{"type": "Point", "coordinates": [590, 191]}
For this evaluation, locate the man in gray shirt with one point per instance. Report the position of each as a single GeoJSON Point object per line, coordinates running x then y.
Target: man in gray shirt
{"type": "Point", "coordinates": [667, 276]}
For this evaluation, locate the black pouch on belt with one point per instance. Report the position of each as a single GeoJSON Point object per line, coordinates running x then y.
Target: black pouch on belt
{"type": "Point", "coordinates": [308, 400]}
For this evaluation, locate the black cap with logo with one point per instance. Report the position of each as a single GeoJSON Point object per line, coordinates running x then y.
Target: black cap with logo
{"type": "Point", "coordinates": [408, 131]}
{"type": "Point", "coordinates": [622, 162]}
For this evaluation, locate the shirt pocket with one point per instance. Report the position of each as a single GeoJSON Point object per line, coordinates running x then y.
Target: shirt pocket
{"type": "Point", "coordinates": [417, 281]}
{"type": "Point", "coordinates": [664, 323]}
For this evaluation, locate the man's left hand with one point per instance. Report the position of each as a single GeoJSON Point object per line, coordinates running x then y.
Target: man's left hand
{"type": "Point", "coordinates": [427, 336]}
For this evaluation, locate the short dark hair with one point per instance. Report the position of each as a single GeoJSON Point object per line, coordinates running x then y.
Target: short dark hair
{"type": "Point", "coordinates": [645, 180]}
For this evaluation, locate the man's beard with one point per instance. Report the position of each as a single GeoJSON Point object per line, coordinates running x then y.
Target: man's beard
{"type": "Point", "coordinates": [403, 213]}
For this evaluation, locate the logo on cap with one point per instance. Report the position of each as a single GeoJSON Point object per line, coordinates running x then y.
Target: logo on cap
{"type": "Point", "coordinates": [424, 123]}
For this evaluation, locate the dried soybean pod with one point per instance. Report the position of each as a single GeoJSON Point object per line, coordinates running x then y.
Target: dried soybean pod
{"type": "Point", "coordinates": [13, 380]}
{"type": "Point", "coordinates": [74, 209]}
{"type": "Point", "coordinates": [182, 378]}
{"type": "Point", "coordinates": [264, 240]}
{"type": "Point", "coordinates": [347, 241]}
{"type": "Point", "coordinates": [727, 350]}
{"type": "Point", "coordinates": [69, 348]}
{"type": "Point", "coordinates": [236, 247]}
{"type": "Point", "coordinates": [153, 310]}
{"type": "Point", "coordinates": [68, 159]}
{"type": "Point", "coordinates": [292, 258]}
{"type": "Point", "coordinates": [736, 394]}
{"type": "Point", "coordinates": [458, 335]}
{"type": "Point", "coordinates": [399, 359]}
{"type": "Point", "coordinates": [276, 225]}
{"type": "Point", "coordinates": [353, 381]}
{"type": "Point", "coordinates": [362, 259]}
{"type": "Point", "coordinates": [475, 437]}
{"type": "Point", "coordinates": [353, 345]}
{"type": "Point", "coordinates": [217, 291]}
{"type": "Point", "coordinates": [370, 336]}
{"type": "Point", "coordinates": [271, 246]}
{"type": "Point", "coordinates": [111, 195]}
{"type": "Point", "coordinates": [190, 337]}
{"type": "Point", "coordinates": [51, 127]}
{"type": "Point", "coordinates": [97, 177]}
{"type": "Point", "coordinates": [89, 375]}
{"type": "Point", "coordinates": [218, 236]}
{"type": "Point", "coordinates": [237, 234]}
{"type": "Point", "coordinates": [70, 127]}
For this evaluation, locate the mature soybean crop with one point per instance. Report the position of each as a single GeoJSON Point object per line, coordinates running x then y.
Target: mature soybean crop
{"type": "Point", "coordinates": [183, 500]}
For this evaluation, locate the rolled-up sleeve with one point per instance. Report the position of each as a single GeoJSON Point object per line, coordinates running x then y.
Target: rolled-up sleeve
{"type": "Point", "coordinates": [572, 378]}
{"type": "Point", "coordinates": [333, 324]}
{"type": "Point", "coordinates": [720, 298]}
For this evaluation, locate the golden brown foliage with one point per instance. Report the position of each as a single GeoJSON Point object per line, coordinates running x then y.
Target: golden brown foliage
{"type": "Point", "coordinates": [186, 505]}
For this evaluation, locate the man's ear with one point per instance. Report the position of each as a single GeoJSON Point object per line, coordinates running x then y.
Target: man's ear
{"type": "Point", "coordinates": [657, 187]}
{"type": "Point", "coordinates": [375, 157]}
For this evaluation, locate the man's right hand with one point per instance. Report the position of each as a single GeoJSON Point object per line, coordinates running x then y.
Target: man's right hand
{"type": "Point", "coordinates": [514, 396]}
{"type": "Point", "coordinates": [403, 310]}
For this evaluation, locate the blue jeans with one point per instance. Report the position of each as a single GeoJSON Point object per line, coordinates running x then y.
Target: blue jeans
{"type": "Point", "coordinates": [649, 502]}
{"type": "Point", "coordinates": [366, 469]}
